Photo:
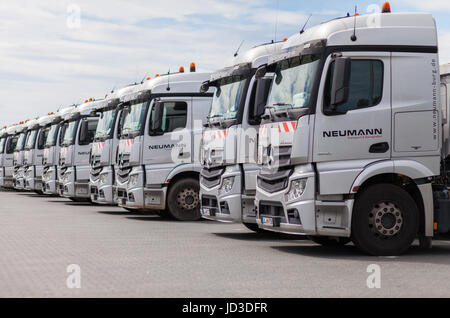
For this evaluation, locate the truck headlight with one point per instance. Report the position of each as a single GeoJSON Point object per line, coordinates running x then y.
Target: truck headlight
{"type": "Point", "coordinates": [296, 189]}
{"type": "Point", "coordinates": [133, 181]}
{"type": "Point", "coordinates": [227, 184]}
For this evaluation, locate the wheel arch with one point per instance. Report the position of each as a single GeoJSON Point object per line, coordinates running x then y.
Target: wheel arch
{"type": "Point", "coordinates": [407, 183]}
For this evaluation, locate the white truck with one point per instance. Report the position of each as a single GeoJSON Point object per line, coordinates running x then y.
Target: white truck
{"type": "Point", "coordinates": [228, 177]}
{"type": "Point", "coordinates": [50, 161]}
{"type": "Point", "coordinates": [9, 140]}
{"type": "Point", "coordinates": [34, 151]}
{"type": "Point", "coordinates": [74, 170]}
{"type": "Point", "coordinates": [8, 143]}
{"type": "Point", "coordinates": [18, 171]}
{"type": "Point", "coordinates": [158, 158]}
{"type": "Point", "coordinates": [104, 149]}
{"type": "Point", "coordinates": [354, 144]}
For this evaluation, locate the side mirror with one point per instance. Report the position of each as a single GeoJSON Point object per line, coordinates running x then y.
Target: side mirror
{"type": "Point", "coordinates": [83, 132]}
{"type": "Point", "coordinates": [261, 72]}
{"type": "Point", "coordinates": [341, 82]}
{"type": "Point", "coordinates": [262, 93]}
{"type": "Point", "coordinates": [156, 125]}
{"type": "Point", "coordinates": [205, 87]}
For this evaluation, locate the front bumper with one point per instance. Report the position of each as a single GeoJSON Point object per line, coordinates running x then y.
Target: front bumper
{"type": "Point", "coordinates": [296, 217]}
{"type": "Point", "coordinates": [70, 187]}
{"type": "Point", "coordinates": [137, 196]}
{"type": "Point", "coordinates": [230, 207]}
{"type": "Point", "coordinates": [101, 188]}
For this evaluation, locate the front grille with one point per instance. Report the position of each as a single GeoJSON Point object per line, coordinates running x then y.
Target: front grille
{"type": "Point", "coordinates": [95, 161]}
{"type": "Point", "coordinates": [211, 177]}
{"type": "Point", "coordinates": [272, 209]}
{"type": "Point", "coordinates": [63, 170]}
{"type": "Point", "coordinates": [276, 157]}
{"type": "Point", "coordinates": [95, 172]}
{"type": "Point", "coordinates": [210, 202]}
{"type": "Point", "coordinates": [274, 181]}
{"type": "Point", "coordinates": [123, 174]}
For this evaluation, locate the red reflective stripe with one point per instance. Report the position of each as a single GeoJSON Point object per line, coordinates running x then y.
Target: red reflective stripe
{"type": "Point", "coordinates": [225, 133]}
{"type": "Point", "coordinates": [286, 127]}
{"type": "Point", "coordinates": [294, 124]}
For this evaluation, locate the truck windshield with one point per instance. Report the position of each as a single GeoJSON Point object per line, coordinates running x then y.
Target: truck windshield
{"type": "Point", "coordinates": [134, 118]}
{"type": "Point", "coordinates": [226, 100]}
{"type": "Point", "coordinates": [50, 141]}
{"type": "Point", "coordinates": [21, 142]}
{"type": "Point", "coordinates": [2, 144]}
{"type": "Point", "coordinates": [70, 133]}
{"type": "Point", "coordinates": [105, 124]}
{"type": "Point", "coordinates": [293, 82]}
{"type": "Point", "coordinates": [31, 140]}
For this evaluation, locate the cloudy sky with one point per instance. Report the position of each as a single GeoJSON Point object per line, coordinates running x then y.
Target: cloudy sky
{"type": "Point", "coordinates": [49, 58]}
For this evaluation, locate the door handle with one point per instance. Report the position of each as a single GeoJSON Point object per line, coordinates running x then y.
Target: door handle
{"type": "Point", "coordinates": [381, 147]}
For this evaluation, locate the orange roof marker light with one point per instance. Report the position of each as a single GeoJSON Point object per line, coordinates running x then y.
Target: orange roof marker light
{"type": "Point", "coordinates": [91, 99]}
{"type": "Point", "coordinates": [149, 78]}
{"type": "Point", "coordinates": [192, 67]}
{"type": "Point", "coordinates": [356, 14]}
{"type": "Point", "coordinates": [157, 75]}
{"type": "Point", "coordinates": [86, 101]}
{"type": "Point", "coordinates": [181, 70]}
{"type": "Point", "coordinates": [285, 39]}
{"type": "Point", "coordinates": [386, 8]}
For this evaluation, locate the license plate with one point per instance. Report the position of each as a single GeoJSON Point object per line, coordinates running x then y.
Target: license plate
{"type": "Point", "coordinates": [267, 221]}
{"type": "Point", "coordinates": [206, 212]}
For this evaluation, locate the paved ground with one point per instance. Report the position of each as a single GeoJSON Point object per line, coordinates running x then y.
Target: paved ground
{"type": "Point", "coordinates": [132, 255]}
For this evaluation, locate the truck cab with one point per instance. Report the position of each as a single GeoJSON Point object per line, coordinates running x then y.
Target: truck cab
{"type": "Point", "coordinates": [18, 172]}
{"type": "Point", "coordinates": [52, 145]}
{"type": "Point", "coordinates": [104, 149]}
{"type": "Point", "coordinates": [9, 141]}
{"type": "Point", "coordinates": [34, 151]}
{"type": "Point", "coordinates": [158, 166]}
{"type": "Point", "coordinates": [228, 177]}
{"type": "Point", "coordinates": [3, 141]}
{"type": "Point", "coordinates": [351, 139]}
{"type": "Point", "coordinates": [79, 127]}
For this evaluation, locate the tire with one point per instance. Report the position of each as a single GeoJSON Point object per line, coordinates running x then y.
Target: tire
{"type": "Point", "coordinates": [254, 227]}
{"type": "Point", "coordinates": [385, 220]}
{"type": "Point", "coordinates": [183, 201]}
{"type": "Point", "coordinates": [330, 241]}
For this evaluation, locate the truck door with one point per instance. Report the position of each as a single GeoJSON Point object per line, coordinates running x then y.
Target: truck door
{"type": "Point", "coordinates": [355, 133]}
{"type": "Point", "coordinates": [171, 145]}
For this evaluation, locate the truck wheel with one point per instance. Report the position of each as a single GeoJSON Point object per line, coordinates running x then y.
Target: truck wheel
{"type": "Point", "coordinates": [330, 241]}
{"type": "Point", "coordinates": [183, 200]}
{"type": "Point", "coordinates": [385, 220]}
{"type": "Point", "coordinates": [254, 227]}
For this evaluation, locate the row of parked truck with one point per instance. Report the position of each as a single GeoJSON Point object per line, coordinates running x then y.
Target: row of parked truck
{"type": "Point", "coordinates": [339, 133]}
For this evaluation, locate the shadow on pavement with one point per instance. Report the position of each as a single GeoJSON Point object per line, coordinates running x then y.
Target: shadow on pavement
{"type": "Point", "coordinates": [123, 212]}
{"type": "Point", "coordinates": [253, 236]}
{"type": "Point", "coordinates": [439, 254]}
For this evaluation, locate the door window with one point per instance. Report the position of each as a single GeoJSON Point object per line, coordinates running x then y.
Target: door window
{"type": "Point", "coordinates": [365, 88]}
{"type": "Point", "coordinates": [174, 116]}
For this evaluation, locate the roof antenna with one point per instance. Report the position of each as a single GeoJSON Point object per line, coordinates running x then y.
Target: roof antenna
{"type": "Point", "coordinates": [276, 21]}
{"type": "Point", "coordinates": [237, 51]}
{"type": "Point", "coordinates": [168, 81]}
{"type": "Point", "coordinates": [353, 37]}
{"type": "Point", "coordinates": [304, 26]}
